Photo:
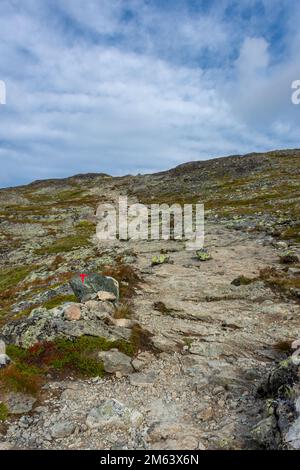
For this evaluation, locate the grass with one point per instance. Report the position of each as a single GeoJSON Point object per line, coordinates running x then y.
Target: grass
{"type": "Point", "coordinates": [279, 280]}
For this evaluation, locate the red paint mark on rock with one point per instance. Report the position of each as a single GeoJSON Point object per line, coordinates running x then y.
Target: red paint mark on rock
{"type": "Point", "coordinates": [83, 276]}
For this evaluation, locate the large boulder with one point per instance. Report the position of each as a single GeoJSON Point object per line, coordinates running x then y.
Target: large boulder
{"type": "Point", "coordinates": [87, 288]}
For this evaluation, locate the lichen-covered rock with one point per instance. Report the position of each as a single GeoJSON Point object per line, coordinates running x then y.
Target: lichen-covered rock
{"type": "Point", "coordinates": [278, 379]}
{"type": "Point", "coordinates": [2, 347]}
{"type": "Point", "coordinates": [4, 360]}
{"type": "Point", "coordinates": [87, 288]}
{"type": "Point", "coordinates": [112, 413]}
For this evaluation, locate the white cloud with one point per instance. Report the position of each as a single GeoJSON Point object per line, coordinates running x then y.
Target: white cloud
{"type": "Point", "coordinates": [142, 102]}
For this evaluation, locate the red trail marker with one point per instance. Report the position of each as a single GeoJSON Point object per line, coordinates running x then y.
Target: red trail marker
{"type": "Point", "coordinates": [83, 276]}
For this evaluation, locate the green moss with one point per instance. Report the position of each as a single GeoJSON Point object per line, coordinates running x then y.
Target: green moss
{"type": "Point", "coordinates": [3, 412]}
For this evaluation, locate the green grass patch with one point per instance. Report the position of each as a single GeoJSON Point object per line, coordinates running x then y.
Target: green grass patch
{"type": "Point", "coordinates": [62, 356]}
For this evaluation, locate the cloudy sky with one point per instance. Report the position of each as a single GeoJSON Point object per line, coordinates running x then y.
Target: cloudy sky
{"type": "Point", "coordinates": [134, 86]}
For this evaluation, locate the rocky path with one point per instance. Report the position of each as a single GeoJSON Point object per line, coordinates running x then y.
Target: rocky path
{"type": "Point", "coordinates": [216, 342]}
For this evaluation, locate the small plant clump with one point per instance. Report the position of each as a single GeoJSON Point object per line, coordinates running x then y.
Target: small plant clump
{"type": "Point", "coordinates": [3, 412]}
{"type": "Point", "coordinates": [30, 366]}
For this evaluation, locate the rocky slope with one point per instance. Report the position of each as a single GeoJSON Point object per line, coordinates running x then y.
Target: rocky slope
{"type": "Point", "coordinates": [186, 357]}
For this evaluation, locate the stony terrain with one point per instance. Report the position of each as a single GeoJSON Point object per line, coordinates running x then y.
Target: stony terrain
{"type": "Point", "coordinates": [194, 355]}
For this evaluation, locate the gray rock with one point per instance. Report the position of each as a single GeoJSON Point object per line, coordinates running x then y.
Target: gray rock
{"type": "Point", "coordinates": [142, 380]}
{"type": "Point", "coordinates": [140, 362]}
{"type": "Point", "coordinates": [293, 435]}
{"type": "Point", "coordinates": [115, 361]}
{"type": "Point", "coordinates": [2, 347]}
{"type": "Point", "coordinates": [93, 283]}
{"type": "Point", "coordinates": [112, 413]}
{"type": "Point", "coordinates": [19, 403]}
{"type": "Point", "coordinates": [62, 429]}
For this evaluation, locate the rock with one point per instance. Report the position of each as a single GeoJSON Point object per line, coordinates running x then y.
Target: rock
{"type": "Point", "coordinates": [4, 360]}
{"type": "Point", "coordinates": [112, 413]}
{"type": "Point", "coordinates": [140, 362]}
{"type": "Point", "coordinates": [92, 284]}
{"type": "Point", "coordinates": [171, 435]}
{"type": "Point", "coordinates": [289, 257]}
{"type": "Point", "coordinates": [72, 312]}
{"type": "Point", "coordinates": [106, 296]}
{"type": "Point", "coordinates": [293, 435]}
{"type": "Point", "coordinates": [19, 403]}
{"type": "Point", "coordinates": [295, 344]}
{"type": "Point", "coordinates": [124, 322]}
{"type": "Point", "coordinates": [241, 281]}
{"type": "Point", "coordinates": [62, 429]}
{"type": "Point", "coordinates": [2, 347]}
{"type": "Point", "coordinates": [6, 445]}
{"type": "Point", "coordinates": [281, 245]}
{"type": "Point", "coordinates": [266, 433]}
{"type": "Point", "coordinates": [203, 254]}
{"type": "Point", "coordinates": [115, 361]}
{"type": "Point", "coordinates": [142, 380]}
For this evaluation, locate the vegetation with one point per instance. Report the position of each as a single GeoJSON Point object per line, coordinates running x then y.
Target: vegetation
{"type": "Point", "coordinates": [84, 230]}
{"type": "Point", "coordinates": [127, 278]}
{"type": "Point", "coordinates": [58, 300]}
{"type": "Point", "coordinates": [3, 412]}
{"type": "Point", "coordinates": [61, 357]}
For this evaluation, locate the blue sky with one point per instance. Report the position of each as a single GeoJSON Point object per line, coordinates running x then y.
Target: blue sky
{"type": "Point", "coordinates": [135, 86]}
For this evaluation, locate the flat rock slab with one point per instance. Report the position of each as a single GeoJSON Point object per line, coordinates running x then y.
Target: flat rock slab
{"type": "Point", "coordinates": [19, 403]}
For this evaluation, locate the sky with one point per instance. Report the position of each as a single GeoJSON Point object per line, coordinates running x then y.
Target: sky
{"type": "Point", "coordinates": [138, 86]}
